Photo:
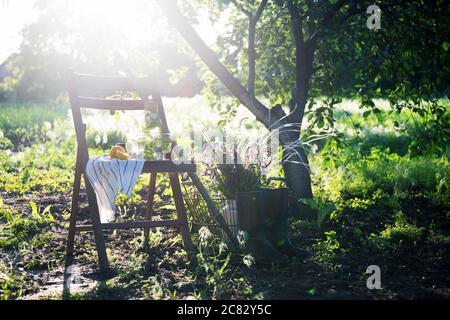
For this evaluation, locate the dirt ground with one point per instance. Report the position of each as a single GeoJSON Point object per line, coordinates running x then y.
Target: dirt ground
{"type": "Point", "coordinates": [164, 268]}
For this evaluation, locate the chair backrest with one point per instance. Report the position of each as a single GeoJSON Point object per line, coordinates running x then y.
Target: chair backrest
{"type": "Point", "coordinates": [95, 85]}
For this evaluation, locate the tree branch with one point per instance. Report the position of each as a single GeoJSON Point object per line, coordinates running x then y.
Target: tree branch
{"type": "Point", "coordinates": [251, 53]}
{"type": "Point", "coordinates": [231, 58]}
{"type": "Point", "coordinates": [330, 15]}
{"type": "Point", "coordinates": [241, 8]}
{"type": "Point", "coordinates": [334, 9]}
{"type": "Point", "coordinates": [171, 10]}
{"type": "Point", "coordinates": [303, 65]}
{"type": "Point", "coordinates": [251, 56]}
{"type": "Point", "coordinates": [311, 23]}
{"type": "Point", "coordinates": [260, 9]}
{"type": "Point", "coordinates": [272, 20]}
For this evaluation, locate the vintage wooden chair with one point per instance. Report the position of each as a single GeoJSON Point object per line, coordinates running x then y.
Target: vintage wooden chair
{"type": "Point", "coordinates": [78, 101]}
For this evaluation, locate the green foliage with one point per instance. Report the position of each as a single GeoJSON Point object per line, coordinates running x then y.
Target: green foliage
{"type": "Point", "coordinates": [5, 214]}
{"type": "Point", "coordinates": [323, 208]}
{"type": "Point", "coordinates": [327, 249]}
{"type": "Point", "coordinates": [10, 284]}
{"type": "Point", "coordinates": [45, 167]}
{"type": "Point", "coordinates": [238, 178]}
{"type": "Point", "coordinates": [400, 233]}
{"type": "Point", "coordinates": [5, 143]}
{"type": "Point", "coordinates": [124, 200]}
{"type": "Point", "coordinates": [23, 125]}
{"type": "Point", "coordinates": [431, 124]}
{"type": "Point", "coordinates": [37, 71]}
{"type": "Point", "coordinates": [213, 264]}
{"type": "Point", "coordinates": [401, 176]}
{"type": "Point", "coordinates": [375, 197]}
{"type": "Point", "coordinates": [376, 161]}
{"type": "Point", "coordinates": [104, 140]}
{"type": "Point", "coordinates": [20, 228]}
{"type": "Point", "coordinates": [41, 252]}
{"type": "Point", "coordinates": [349, 60]}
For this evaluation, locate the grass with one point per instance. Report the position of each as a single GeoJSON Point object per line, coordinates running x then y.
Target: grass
{"type": "Point", "coordinates": [23, 125]}
{"type": "Point", "coordinates": [380, 202]}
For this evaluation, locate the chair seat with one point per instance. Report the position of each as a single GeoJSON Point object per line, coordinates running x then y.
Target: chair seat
{"type": "Point", "coordinates": [167, 166]}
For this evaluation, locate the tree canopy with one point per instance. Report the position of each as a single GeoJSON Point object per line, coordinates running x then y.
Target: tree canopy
{"type": "Point", "coordinates": [308, 49]}
{"type": "Point", "coordinates": [96, 40]}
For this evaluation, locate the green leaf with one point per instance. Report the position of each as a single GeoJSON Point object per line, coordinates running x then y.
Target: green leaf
{"type": "Point", "coordinates": [366, 114]}
{"type": "Point", "coordinates": [310, 202]}
{"type": "Point", "coordinates": [46, 210]}
{"type": "Point", "coordinates": [34, 210]}
{"type": "Point", "coordinates": [167, 207]}
{"type": "Point", "coordinates": [224, 265]}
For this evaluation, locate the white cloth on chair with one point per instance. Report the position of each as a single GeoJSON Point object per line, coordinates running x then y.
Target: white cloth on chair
{"type": "Point", "coordinates": [108, 178]}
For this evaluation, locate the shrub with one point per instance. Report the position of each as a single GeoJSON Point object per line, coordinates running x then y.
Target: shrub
{"type": "Point", "coordinates": [399, 232]}
{"type": "Point", "coordinates": [403, 177]}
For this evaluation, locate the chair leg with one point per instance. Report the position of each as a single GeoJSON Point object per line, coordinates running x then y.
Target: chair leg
{"type": "Point", "coordinates": [151, 197]}
{"type": "Point", "coordinates": [96, 226]}
{"type": "Point", "coordinates": [73, 212]}
{"type": "Point", "coordinates": [179, 205]}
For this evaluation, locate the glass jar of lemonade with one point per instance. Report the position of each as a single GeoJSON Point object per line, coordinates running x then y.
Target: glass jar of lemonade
{"type": "Point", "coordinates": [152, 133]}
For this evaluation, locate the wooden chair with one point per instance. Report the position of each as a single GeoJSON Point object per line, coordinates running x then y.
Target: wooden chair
{"type": "Point", "coordinates": [80, 82]}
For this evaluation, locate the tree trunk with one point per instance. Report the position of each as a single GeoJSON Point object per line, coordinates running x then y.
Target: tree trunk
{"type": "Point", "coordinates": [296, 169]}
{"type": "Point", "coordinates": [297, 174]}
